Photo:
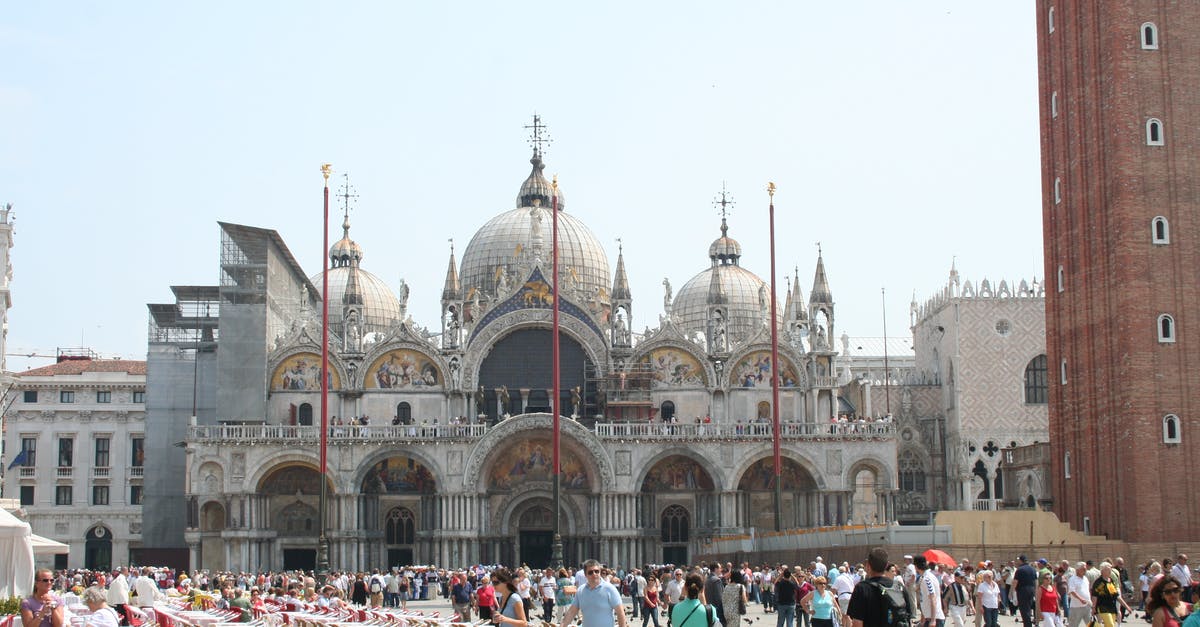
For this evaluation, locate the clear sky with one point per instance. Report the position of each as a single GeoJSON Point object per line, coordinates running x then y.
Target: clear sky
{"type": "Point", "coordinates": [900, 135]}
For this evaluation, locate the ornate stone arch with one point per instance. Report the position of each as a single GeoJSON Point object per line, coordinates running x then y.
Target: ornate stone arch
{"type": "Point", "coordinates": [750, 458]}
{"type": "Point", "coordinates": [718, 477]}
{"type": "Point", "coordinates": [481, 344]}
{"type": "Point", "coordinates": [679, 343]}
{"type": "Point", "coordinates": [786, 357]}
{"type": "Point", "coordinates": [340, 373]}
{"type": "Point", "coordinates": [274, 462]}
{"type": "Point", "coordinates": [507, 430]}
{"type": "Point", "coordinates": [210, 478]}
{"type": "Point", "coordinates": [394, 343]}
{"type": "Point", "coordinates": [368, 462]}
{"type": "Point", "coordinates": [502, 516]}
{"type": "Point", "coordinates": [884, 473]}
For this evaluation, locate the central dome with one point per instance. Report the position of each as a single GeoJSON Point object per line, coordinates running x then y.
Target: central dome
{"type": "Point", "coordinates": [726, 283]}
{"type": "Point", "coordinates": [517, 236]}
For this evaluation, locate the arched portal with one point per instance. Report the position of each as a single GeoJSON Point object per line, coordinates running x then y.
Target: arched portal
{"type": "Point", "coordinates": [97, 552]}
{"type": "Point", "coordinates": [397, 498]}
{"type": "Point", "coordinates": [292, 492]}
{"type": "Point", "coordinates": [520, 363]}
{"type": "Point", "coordinates": [305, 417]}
{"type": "Point", "coordinates": [675, 486]}
{"type": "Point", "coordinates": [800, 506]}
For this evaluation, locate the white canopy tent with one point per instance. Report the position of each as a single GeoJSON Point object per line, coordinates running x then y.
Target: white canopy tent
{"type": "Point", "coordinates": [16, 556]}
{"type": "Point", "coordinates": [46, 546]}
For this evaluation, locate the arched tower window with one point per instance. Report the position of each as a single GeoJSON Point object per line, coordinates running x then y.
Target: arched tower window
{"type": "Point", "coordinates": [1170, 426]}
{"type": "Point", "coordinates": [675, 524]}
{"type": "Point", "coordinates": [1062, 371]}
{"type": "Point", "coordinates": [1160, 231]}
{"type": "Point", "coordinates": [1062, 275]}
{"type": "Point", "coordinates": [1149, 36]}
{"type": "Point", "coordinates": [1067, 465]}
{"type": "Point", "coordinates": [1154, 132]}
{"type": "Point", "coordinates": [1037, 383]}
{"type": "Point", "coordinates": [1166, 329]}
{"type": "Point", "coordinates": [1054, 104]}
{"type": "Point", "coordinates": [400, 526]}
{"type": "Point", "coordinates": [1050, 20]}
{"type": "Point", "coordinates": [1057, 190]}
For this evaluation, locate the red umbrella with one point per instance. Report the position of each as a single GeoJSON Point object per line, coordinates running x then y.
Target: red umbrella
{"type": "Point", "coordinates": [938, 556]}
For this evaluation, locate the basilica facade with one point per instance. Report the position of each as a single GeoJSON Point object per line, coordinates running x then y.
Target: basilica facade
{"type": "Point", "coordinates": [440, 439]}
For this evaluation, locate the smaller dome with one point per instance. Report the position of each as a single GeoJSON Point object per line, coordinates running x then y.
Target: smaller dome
{"type": "Point", "coordinates": [725, 249]}
{"type": "Point", "coordinates": [345, 251]}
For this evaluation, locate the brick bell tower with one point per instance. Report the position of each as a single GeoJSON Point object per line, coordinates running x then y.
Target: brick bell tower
{"type": "Point", "coordinates": [1120, 136]}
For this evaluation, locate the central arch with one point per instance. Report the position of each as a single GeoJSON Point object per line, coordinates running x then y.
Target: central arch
{"type": "Point", "coordinates": [517, 373]}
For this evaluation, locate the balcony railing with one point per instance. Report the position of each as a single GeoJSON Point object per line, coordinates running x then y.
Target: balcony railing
{"type": "Point", "coordinates": [64, 472]}
{"type": "Point", "coordinates": [274, 434]}
{"type": "Point", "coordinates": [28, 472]}
{"type": "Point", "coordinates": [751, 431]}
{"type": "Point", "coordinates": [136, 472]}
{"type": "Point", "coordinates": [261, 434]}
{"type": "Point", "coordinates": [101, 472]}
{"type": "Point", "coordinates": [987, 505]}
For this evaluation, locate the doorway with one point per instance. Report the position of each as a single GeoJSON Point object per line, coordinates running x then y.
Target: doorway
{"type": "Point", "coordinates": [306, 415]}
{"type": "Point", "coordinates": [299, 559]}
{"type": "Point", "coordinates": [97, 551]}
{"type": "Point", "coordinates": [400, 557]}
{"type": "Point", "coordinates": [677, 555]}
{"type": "Point", "coordinates": [536, 547]}
{"type": "Point", "coordinates": [668, 411]}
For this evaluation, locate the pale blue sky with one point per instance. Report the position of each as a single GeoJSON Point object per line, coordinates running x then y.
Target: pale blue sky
{"type": "Point", "coordinates": [900, 135]}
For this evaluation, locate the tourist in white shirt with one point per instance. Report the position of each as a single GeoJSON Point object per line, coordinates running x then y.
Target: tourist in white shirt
{"type": "Point", "coordinates": [930, 593]}
{"type": "Point", "coordinates": [1182, 573]}
{"type": "Point", "coordinates": [988, 592]}
{"type": "Point", "coordinates": [1079, 597]}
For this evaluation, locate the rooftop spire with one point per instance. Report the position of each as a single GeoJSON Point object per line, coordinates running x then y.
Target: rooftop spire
{"type": "Point", "coordinates": [820, 290]}
{"type": "Point", "coordinates": [620, 290]}
{"type": "Point", "coordinates": [346, 252]}
{"type": "Point", "coordinates": [725, 249]}
{"type": "Point", "coordinates": [452, 290]}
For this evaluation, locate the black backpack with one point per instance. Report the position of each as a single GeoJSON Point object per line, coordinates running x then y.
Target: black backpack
{"type": "Point", "coordinates": [897, 605]}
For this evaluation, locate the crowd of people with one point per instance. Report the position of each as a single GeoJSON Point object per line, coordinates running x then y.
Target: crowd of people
{"type": "Point", "coordinates": [872, 593]}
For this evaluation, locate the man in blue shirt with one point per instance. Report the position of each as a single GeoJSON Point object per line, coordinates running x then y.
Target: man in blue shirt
{"type": "Point", "coordinates": [598, 600]}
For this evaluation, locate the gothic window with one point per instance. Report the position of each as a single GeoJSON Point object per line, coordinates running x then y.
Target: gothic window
{"type": "Point", "coordinates": [1067, 465]}
{"type": "Point", "coordinates": [912, 472]}
{"type": "Point", "coordinates": [1160, 231]}
{"type": "Point", "coordinates": [1166, 329]}
{"type": "Point", "coordinates": [1171, 429]}
{"type": "Point", "coordinates": [400, 526]}
{"type": "Point", "coordinates": [1062, 371]}
{"type": "Point", "coordinates": [1054, 104]}
{"type": "Point", "coordinates": [1149, 36]}
{"type": "Point", "coordinates": [1050, 19]}
{"type": "Point", "coordinates": [1062, 283]}
{"type": "Point", "coordinates": [1154, 132]}
{"type": "Point", "coordinates": [1037, 383]}
{"type": "Point", "coordinates": [1057, 190]}
{"type": "Point", "coordinates": [675, 523]}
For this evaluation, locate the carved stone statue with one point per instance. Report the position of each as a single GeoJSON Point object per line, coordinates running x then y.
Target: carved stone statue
{"type": "Point", "coordinates": [480, 399]}
{"type": "Point", "coordinates": [535, 227]}
{"type": "Point", "coordinates": [667, 296]}
{"type": "Point", "coordinates": [353, 334]}
{"type": "Point", "coordinates": [501, 282]}
{"type": "Point", "coordinates": [403, 294]}
{"type": "Point", "coordinates": [764, 305]}
{"type": "Point", "coordinates": [455, 373]}
{"type": "Point", "coordinates": [504, 400]}
{"type": "Point", "coordinates": [576, 402]}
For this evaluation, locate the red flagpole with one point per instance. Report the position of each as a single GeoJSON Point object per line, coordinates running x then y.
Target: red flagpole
{"type": "Point", "coordinates": [554, 339]}
{"type": "Point", "coordinates": [322, 547]}
{"type": "Point", "coordinates": [775, 376]}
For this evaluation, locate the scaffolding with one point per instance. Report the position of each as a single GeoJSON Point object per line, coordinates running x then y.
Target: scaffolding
{"type": "Point", "coordinates": [624, 396]}
{"type": "Point", "coordinates": [191, 321]}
